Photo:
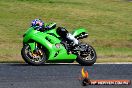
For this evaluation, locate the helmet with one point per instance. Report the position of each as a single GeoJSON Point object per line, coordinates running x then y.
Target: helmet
{"type": "Point", "coordinates": [37, 23]}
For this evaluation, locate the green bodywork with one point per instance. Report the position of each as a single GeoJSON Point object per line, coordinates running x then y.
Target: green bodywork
{"type": "Point", "coordinates": [48, 39]}
{"type": "Point", "coordinates": [78, 31]}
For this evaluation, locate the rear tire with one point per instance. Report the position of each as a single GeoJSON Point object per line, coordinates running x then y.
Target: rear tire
{"type": "Point", "coordinates": [29, 59]}
{"type": "Point", "coordinates": [90, 61]}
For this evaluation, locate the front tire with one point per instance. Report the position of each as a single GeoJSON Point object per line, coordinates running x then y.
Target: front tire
{"type": "Point", "coordinates": [87, 59]}
{"type": "Point", "coordinates": [27, 55]}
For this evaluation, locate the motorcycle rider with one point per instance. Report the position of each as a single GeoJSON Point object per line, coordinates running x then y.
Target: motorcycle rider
{"type": "Point", "coordinates": [39, 25]}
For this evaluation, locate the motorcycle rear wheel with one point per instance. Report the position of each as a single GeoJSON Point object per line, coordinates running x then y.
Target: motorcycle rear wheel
{"type": "Point", "coordinates": [31, 58]}
{"type": "Point", "coordinates": [89, 59]}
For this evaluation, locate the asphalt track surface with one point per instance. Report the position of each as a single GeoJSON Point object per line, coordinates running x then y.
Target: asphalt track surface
{"type": "Point", "coordinates": [60, 75]}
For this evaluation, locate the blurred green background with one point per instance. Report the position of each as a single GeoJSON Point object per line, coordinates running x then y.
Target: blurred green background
{"type": "Point", "coordinates": [109, 24]}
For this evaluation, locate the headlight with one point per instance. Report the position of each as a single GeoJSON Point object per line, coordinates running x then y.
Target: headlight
{"type": "Point", "coordinates": [24, 35]}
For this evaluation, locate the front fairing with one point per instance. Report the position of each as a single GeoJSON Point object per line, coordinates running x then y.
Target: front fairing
{"type": "Point", "coordinates": [31, 32]}
{"type": "Point", "coordinates": [48, 39]}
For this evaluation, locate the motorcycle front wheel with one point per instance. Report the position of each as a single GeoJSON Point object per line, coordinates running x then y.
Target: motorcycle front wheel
{"type": "Point", "coordinates": [33, 58]}
{"type": "Point", "coordinates": [88, 58]}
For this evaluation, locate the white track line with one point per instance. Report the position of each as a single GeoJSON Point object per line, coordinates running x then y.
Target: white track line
{"type": "Point", "coordinates": [77, 63]}
{"type": "Point", "coordinates": [115, 63]}
{"type": "Point", "coordinates": [97, 63]}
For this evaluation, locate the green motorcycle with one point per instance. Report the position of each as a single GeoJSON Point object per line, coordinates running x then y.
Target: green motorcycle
{"type": "Point", "coordinates": [48, 47]}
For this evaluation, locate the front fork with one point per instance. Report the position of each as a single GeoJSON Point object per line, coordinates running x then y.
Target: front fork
{"type": "Point", "coordinates": [35, 49]}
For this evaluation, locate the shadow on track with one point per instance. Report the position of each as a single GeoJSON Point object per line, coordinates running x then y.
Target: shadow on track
{"type": "Point", "coordinates": [47, 64]}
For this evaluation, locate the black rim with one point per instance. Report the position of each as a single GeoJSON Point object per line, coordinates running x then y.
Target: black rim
{"type": "Point", "coordinates": [33, 57]}
{"type": "Point", "coordinates": [88, 56]}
